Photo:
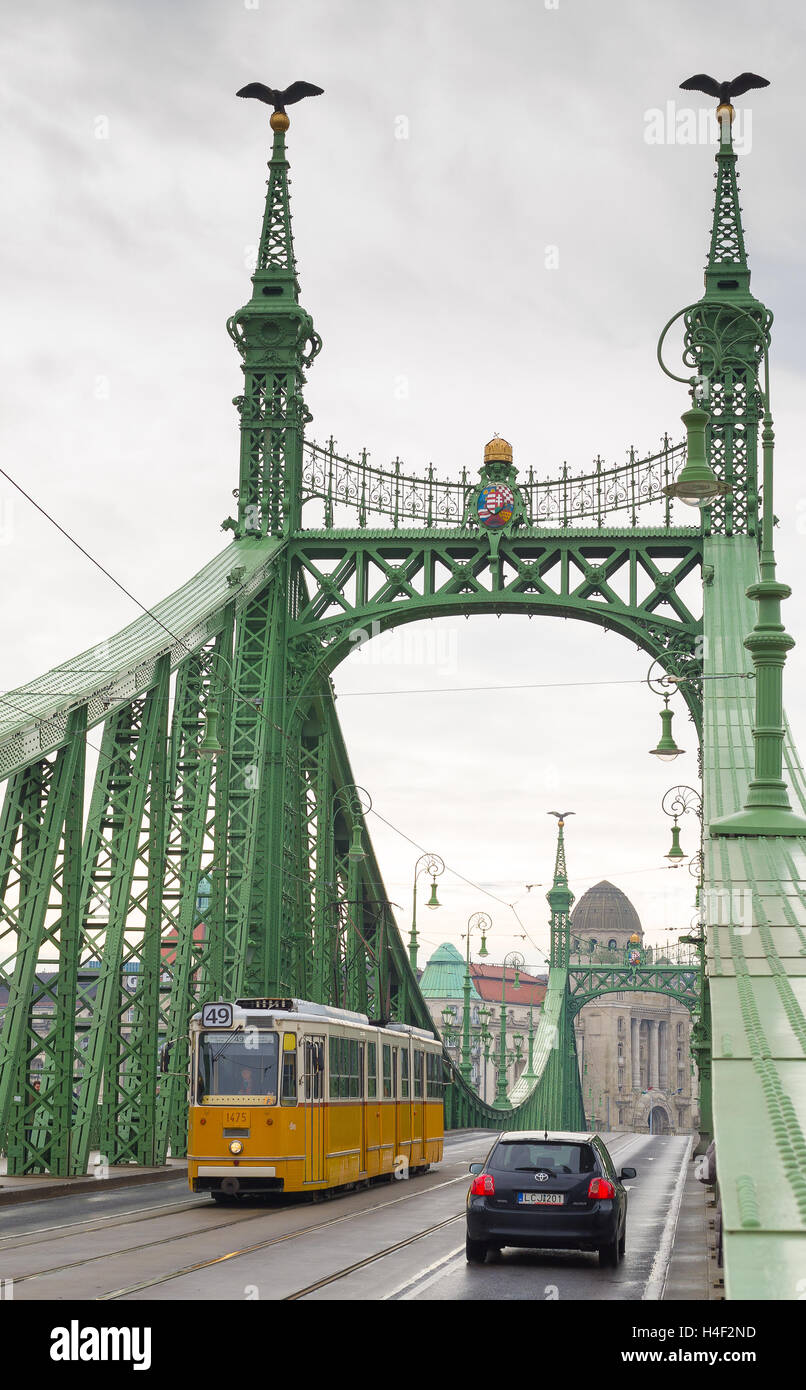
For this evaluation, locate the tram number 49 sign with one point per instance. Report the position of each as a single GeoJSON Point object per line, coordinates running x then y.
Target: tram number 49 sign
{"type": "Point", "coordinates": [217, 1016]}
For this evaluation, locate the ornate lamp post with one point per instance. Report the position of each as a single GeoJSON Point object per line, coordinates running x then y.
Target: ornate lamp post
{"type": "Point", "coordinates": [431, 864]}
{"type": "Point", "coordinates": [515, 960]}
{"type": "Point", "coordinates": [677, 802]}
{"type": "Point", "coordinates": [486, 1039]}
{"type": "Point", "coordinates": [349, 797]}
{"type": "Point", "coordinates": [449, 1033]}
{"type": "Point", "coordinates": [530, 1065]}
{"type": "Point", "coordinates": [479, 921]}
{"type": "Point", "coordinates": [667, 750]}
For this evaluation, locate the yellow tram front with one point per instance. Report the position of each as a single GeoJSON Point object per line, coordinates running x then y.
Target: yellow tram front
{"type": "Point", "coordinates": [289, 1096]}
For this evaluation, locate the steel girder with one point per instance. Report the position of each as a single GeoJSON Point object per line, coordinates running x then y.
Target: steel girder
{"type": "Point", "coordinates": [360, 583]}
{"type": "Point", "coordinates": [586, 983]}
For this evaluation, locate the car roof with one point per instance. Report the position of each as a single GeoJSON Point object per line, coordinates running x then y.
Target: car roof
{"type": "Point", "coordinates": [543, 1136]}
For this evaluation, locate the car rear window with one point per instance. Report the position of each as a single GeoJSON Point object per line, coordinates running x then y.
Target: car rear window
{"type": "Point", "coordinates": [562, 1158]}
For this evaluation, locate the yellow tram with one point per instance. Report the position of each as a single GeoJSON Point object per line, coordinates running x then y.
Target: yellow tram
{"type": "Point", "coordinates": [288, 1096]}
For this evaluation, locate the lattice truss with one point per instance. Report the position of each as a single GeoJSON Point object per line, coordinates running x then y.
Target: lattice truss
{"type": "Point", "coordinates": [632, 583]}
{"type": "Point", "coordinates": [676, 982]}
{"type": "Point", "coordinates": [164, 877]}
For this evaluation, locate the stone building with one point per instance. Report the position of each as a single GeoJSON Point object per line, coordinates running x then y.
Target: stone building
{"type": "Point", "coordinates": [442, 985]}
{"type": "Point", "coordinates": [633, 1048]}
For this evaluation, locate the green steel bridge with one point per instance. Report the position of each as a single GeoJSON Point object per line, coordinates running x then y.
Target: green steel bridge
{"type": "Point", "coordinates": [180, 810]}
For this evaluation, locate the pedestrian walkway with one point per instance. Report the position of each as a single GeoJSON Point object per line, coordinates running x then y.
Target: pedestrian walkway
{"type": "Point", "coordinates": [693, 1272]}
{"type": "Point", "coordinates": [35, 1187]}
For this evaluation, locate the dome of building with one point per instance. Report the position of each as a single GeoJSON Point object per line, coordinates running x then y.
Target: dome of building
{"type": "Point", "coordinates": [605, 914]}
{"type": "Point", "coordinates": [444, 975]}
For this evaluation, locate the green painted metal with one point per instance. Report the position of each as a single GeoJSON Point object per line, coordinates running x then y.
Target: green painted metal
{"type": "Point", "coordinates": [213, 856]}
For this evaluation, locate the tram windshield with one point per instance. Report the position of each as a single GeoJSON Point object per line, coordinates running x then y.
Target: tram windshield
{"type": "Point", "coordinates": [237, 1064]}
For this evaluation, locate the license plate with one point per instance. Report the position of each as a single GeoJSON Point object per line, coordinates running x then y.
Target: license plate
{"type": "Point", "coordinates": [541, 1199]}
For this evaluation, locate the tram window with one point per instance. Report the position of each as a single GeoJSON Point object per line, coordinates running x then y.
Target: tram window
{"type": "Point", "coordinates": [288, 1086]}
{"type": "Point", "coordinates": [433, 1064]}
{"type": "Point", "coordinates": [237, 1063]}
{"type": "Point", "coordinates": [395, 1070]}
{"type": "Point", "coordinates": [418, 1074]}
{"type": "Point", "coordinates": [372, 1071]}
{"type": "Point", "coordinates": [387, 1072]}
{"type": "Point", "coordinates": [404, 1074]}
{"type": "Point", "coordinates": [335, 1067]}
{"type": "Point", "coordinates": [344, 1069]}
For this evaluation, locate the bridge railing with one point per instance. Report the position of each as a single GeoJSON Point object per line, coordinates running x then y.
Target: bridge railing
{"type": "Point", "coordinates": [335, 487]}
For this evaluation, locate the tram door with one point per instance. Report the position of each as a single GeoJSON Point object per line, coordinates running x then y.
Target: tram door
{"type": "Point", "coordinates": [362, 1091]}
{"type": "Point", "coordinates": [314, 1073]}
{"type": "Point", "coordinates": [418, 1108]}
{"type": "Point", "coordinates": [396, 1095]}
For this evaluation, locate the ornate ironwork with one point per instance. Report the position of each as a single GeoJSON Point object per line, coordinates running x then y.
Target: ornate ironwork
{"type": "Point", "coordinates": [339, 481]}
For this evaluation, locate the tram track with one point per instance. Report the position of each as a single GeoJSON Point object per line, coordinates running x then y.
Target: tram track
{"type": "Point", "coordinates": [370, 1259]}
{"type": "Point", "coordinates": [90, 1226]}
{"type": "Point", "coordinates": [272, 1241]}
{"type": "Point", "coordinates": [136, 1249]}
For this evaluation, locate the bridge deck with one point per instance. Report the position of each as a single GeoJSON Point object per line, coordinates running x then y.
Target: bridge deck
{"type": "Point", "coordinates": [757, 968]}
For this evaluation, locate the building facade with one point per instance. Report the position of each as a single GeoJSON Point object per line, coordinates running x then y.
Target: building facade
{"type": "Point", "coordinates": [634, 1052]}
{"type": "Point", "coordinates": [442, 985]}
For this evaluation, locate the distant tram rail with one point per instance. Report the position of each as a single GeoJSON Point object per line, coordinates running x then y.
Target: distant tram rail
{"type": "Point", "coordinates": [289, 1096]}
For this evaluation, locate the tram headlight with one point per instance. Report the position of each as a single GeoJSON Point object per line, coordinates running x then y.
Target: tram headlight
{"type": "Point", "coordinates": [236, 1147]}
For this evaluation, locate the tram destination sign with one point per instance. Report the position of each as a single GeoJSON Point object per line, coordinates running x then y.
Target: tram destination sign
{"type": "Point", "coordinates": [287, 1004]}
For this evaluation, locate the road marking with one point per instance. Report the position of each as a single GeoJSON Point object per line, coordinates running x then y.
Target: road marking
{"type": "Point", "coordinates": [421, 1281]}
{"type": "Point", "coordinates": [660, 1265]}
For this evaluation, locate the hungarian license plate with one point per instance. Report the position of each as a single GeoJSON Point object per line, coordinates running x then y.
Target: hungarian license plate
{"type": "Point", "coordinates": [541, 1199]}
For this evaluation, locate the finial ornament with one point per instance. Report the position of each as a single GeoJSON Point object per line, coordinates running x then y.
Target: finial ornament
{"type": "Point", "coordinates": [278, 99]}
{"type": "Point", "coordinates": [723, 91]}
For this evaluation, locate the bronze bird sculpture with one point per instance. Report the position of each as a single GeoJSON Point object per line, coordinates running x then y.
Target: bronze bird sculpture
{"type": "Point", "coordinates": [723, 91]}
{"type": "Point", "coordinates": [280, 99]}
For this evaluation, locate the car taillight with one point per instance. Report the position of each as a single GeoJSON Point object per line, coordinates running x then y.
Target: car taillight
{"type": "Point", "coordinates": [483, 1185]}
{"type": "Point", "coordinates": [601, 1189]}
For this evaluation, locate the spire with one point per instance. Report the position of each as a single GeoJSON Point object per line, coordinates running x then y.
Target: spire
{"type": "Point", "coordinates": [560, 899]}
{"type": "Point", "coordinates": [726, 348]}
{"type": "Point", "coordinates": [276, 250]}
{"type": "Point", "coordinates": [727, 272]}
{"type": "Point", "coordinates": [276, 339]}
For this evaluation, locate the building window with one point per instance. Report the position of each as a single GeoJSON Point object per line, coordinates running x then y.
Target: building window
{"type": "Point", "coordinates": [621, 1052]}
{"type": "Point", "coordinates": [679, 1054]}
{"type": "Point", "coordinates": [679, 1078]}
{"type": "Point", "coordinates": [679, 1030]}
{"type": "Point", "coordinates": [594, 943]}
{"type": "Point", "coordinates": [611, 945]}
{"type": "Point", "coordinates": [621, 1027]}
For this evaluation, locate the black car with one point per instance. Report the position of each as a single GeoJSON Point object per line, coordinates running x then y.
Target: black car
{"type": "Point", "coordinates": [548, 1190]}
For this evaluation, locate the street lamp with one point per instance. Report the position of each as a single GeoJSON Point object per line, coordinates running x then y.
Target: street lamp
{"type": "Point", "coordinates": [667, 750]}
{"type": "Point", "coordinates": [515, 960]}
{"type": "Point", "coordinates": [431, 864]}
{"type": "Point", "coordinates": [349, 798]}
{"type": "Point", "coordinates": [678, 801]}
{"type": "Point", "coordinates": [697, 485]}
{"type": "Point", "coordinates": [486, 1039]}
{"type": "Point", "coordinates": [479, 921]}
{"type": "Point", "coordinates": [530, 1065]}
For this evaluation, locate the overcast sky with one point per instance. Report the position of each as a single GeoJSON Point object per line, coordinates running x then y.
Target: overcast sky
{"type": "Point", "coordinates": [134, 189]}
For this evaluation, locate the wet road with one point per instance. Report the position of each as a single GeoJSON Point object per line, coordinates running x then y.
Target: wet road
{"type": "Point", "coordinates": [401, 1241]}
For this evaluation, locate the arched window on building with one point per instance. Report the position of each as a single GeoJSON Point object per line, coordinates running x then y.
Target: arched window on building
{"type": "Point", "coordinates": [620, 1027]}
{"type": "Point", "coordinates": [594, 943]}
{"type": "Point", "coordinates": [679, 1030]}
{"type": "Point", "coordinates": [611, 945]}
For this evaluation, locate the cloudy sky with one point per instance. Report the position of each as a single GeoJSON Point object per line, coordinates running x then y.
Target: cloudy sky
{"type": "Point", "coordinates": [134, 186]}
